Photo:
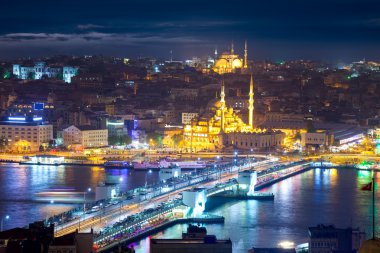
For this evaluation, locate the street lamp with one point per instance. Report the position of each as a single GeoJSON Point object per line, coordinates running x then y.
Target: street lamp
{"type": "Point", "coordinates": [84, 199]}
{"type": "Point", "coordinates": [101, 212]}
{"type": "Point", "coordinates": [84, 206]}
{"type": "Point", "coordinates": [6, 217]}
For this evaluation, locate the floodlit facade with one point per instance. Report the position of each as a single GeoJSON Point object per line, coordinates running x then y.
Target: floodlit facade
{"type": "Point", "coordinates": [222, 127]}
{"type": "Point", "coordinates": [188, 116]}
{"type": "Point", "coordinates": [40, 70]}
{"type": "Point", "coordinates": [26, 134]}
{"type": "Point", "coordinates": [85, 137]}
{"type": "Point", "coordinates": [229, 62]}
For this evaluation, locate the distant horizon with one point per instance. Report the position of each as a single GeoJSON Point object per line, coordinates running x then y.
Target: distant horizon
{"type": "Point", "coordinates": [160, 58]}
{"type": "Point", "coordinates": [326, 30]}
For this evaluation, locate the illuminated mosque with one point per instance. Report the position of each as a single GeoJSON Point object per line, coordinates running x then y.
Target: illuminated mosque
{"type": "Point", "coordinates": [229, 62]}
{"type": "Point", "coordinates": [222, 127]}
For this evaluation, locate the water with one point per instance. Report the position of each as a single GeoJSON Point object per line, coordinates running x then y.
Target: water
{"type": "Point", "coordinates": [317, 196]}
{"type": "Point", "coordinates": [20, 183]}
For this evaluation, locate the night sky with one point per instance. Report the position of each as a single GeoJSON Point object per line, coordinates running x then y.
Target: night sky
{"type": "Point", "coordinates": [330, 30]}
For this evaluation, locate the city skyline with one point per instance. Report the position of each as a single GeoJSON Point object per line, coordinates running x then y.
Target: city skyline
{"type": "Point", "coordinates": [124, 122]}
{"type": "Point", "coordinates": [321, 30]}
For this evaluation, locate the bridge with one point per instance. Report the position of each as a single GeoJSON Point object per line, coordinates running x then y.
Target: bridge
{"type": "Point", "coordinates": [189, 208]}
{"type": "Point", "coordinates": [154, 208]}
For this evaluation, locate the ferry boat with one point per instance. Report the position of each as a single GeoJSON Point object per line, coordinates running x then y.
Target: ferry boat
{"type": "Point", "coordinates": [43, 160]}
{"type": "Point", "coordinates": [60, 195]}
{"type": "Point", "coordinates": [117, 165]}
{"type": "Point", "coordinates": [144, 165]}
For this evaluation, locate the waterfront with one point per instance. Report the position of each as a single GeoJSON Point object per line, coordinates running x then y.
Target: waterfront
{"type": "Point", "coordinates": [317, 196]}
{"type": "Point", "coordinates": [20, 183]}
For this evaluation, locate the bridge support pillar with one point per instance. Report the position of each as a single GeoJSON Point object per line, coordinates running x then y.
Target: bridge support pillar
{"type": "Point", "coordinates": [247, 180]}
{"type": "Point", "coordinates": [196, 199]}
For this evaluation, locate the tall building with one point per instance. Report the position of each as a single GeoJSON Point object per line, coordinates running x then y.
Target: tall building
{"type": "Point", "coordinates": [221, 126]}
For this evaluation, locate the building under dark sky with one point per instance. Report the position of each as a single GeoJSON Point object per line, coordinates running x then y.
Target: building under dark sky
{"type": "Point", "coordinates": [277, 29]}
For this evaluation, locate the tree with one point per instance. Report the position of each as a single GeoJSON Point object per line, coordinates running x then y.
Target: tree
{"type": "Point", "coordinates": [113, 140]}
{"type": "Point", "coordinates": [177, 139]}
{"type": "Point", "coordinates": [31, 75]}
{"type": "Point", "coordinates": [3, 142]}
{"type": "Point", "coordinates": [119, 140]}
{"type": "Point", "coordinates": [154, 139]}
{"type": "Point", "coordinates": [127, 139]}
{"type": "Point", "coordinates": [6, 74]}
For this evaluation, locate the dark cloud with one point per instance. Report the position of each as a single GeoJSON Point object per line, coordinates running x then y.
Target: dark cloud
{"type": "Point", "coordinates": [321, 29]}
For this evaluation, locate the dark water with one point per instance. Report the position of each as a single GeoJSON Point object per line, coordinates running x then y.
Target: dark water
{"type": "Point", "coordinates": [317, 196]}
{"type": "Point", "coordinates": [20, 183]}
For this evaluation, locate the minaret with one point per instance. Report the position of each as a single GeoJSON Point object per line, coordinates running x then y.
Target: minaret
{"type": "Point", "coordinates": [250, 103]}
{"type": "Point", "coordinates": [232, 48]}
{"type": "Point", "coordinates": [216, 54]}
{"type": "Point", "coordinates": [135, 89]}
{"type": "Point", "coordinates": [245, 55]}
{"type": "Point", "coordinates": [222, 106]}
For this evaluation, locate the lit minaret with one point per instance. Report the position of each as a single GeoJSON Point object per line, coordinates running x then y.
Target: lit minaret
{"type": "Point", "coordinates": [222, 105]}
{"type": "Point", "coordinates": [250, 103]}
{"type": "Point", "coordinates": [232, 48]}
{"type": "Point", "coordinates": [216, 54]}
{"type": "Point", "coordinates": [245, 55]}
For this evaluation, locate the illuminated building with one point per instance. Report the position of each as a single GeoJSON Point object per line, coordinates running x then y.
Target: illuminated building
{"type": "Point", "coordinates": [229, 62]}
{"type": "Point", "coordinates": [85, 137]}
{"type": "Point", "coordinates": [188, 116]}
{"type": "Point", "coordinates": [115, 127]}
{"type": "Point", "coordinates": [28, 109]}
{"type": "Point", "coordinates": [26, 133]}
{"type": "Point", "coordinates": [40, 71]}
{"type": "Point", "coordinates": [68, 73]}
{"type": "Point", "coordinates": [221, 126]}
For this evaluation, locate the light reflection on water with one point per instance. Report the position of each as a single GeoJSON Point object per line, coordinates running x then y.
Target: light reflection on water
{"type": "Point", "coordinates": [317, 196]}
{"type": "Point", "coordinates": [331, 196]}
{"type": "Point", "coordinates": [20, 183]}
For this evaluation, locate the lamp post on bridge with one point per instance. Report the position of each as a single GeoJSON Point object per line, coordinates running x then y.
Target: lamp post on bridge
{"type": "Point", "coordinates": [84, 207]}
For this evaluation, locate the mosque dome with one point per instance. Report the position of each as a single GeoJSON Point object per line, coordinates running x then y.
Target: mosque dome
{"type": "Point", "coordinates": [237, 63]}
{"type": "Point", "coordinates": [370, 246]}
{"type": "Point", "coordinates": [218, 104]}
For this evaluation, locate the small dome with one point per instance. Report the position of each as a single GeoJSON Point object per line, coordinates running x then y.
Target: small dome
{"type": "Point", "coordinates": [370, 246]}
{"type": "Point", "coordinates": [214, 104]}
{"type": "Point", "coordinates": [218, 104]}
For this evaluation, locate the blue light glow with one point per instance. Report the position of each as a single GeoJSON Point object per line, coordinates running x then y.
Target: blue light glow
{"type": "Point", "coordinates": [17, 118]}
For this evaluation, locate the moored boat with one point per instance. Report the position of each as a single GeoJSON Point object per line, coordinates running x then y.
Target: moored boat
{"type": "Point", "coordinates": [117, 165]}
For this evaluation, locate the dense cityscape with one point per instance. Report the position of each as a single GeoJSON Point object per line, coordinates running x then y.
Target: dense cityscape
{"type": "Point", "coordinates": [206, 141]}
